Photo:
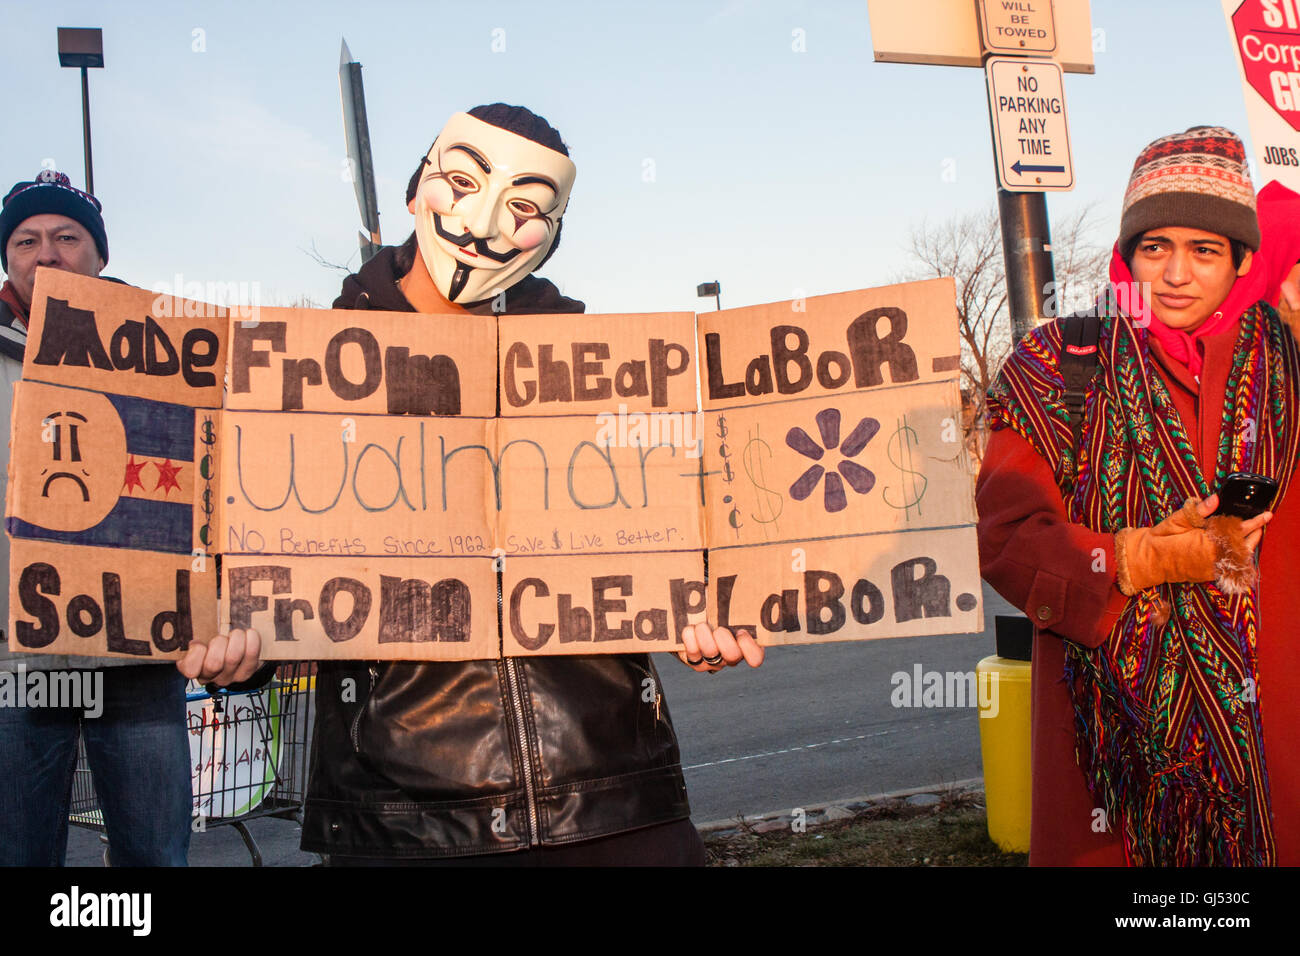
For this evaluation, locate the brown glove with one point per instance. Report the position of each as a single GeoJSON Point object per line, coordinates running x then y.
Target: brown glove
{"type": "Point", "coordinates": [1185, 547]}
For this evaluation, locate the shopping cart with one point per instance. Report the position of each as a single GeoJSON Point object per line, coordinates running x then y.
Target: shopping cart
{"type": "Point", "coordinates": [248, 756]}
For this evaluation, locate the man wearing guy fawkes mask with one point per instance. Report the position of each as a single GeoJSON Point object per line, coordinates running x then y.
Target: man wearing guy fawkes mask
{"type": "Point", "coordinates": [487, 200]}
{"type": "Point", "coordinates": [482, 228]}
{"type": "Point", "coordinates": [535, 761]}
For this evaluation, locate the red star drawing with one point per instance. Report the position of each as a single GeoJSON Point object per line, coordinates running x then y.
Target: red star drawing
{"type": "Point", "coordinates": [133, 474]}
{"type": "Point", "coordinates": [167, 473]}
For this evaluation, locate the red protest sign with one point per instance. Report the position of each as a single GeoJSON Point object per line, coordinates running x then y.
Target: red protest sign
{"type": "Point", "coordinates": [1267, 33]}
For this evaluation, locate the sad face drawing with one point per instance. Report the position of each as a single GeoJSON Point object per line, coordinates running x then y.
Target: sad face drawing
{"type": "Point", "coordinates": [71, 447]}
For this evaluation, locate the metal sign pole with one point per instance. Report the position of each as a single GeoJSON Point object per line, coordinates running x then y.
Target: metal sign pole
{"type": "Point", "coordinates": [1028, 154]}
{"type": "Point", "coordinates": [357, 131]}
{"type": "Point", "coordinates": [1026, 250]}
{"type": "Point", "coordinates": [1024, 48]}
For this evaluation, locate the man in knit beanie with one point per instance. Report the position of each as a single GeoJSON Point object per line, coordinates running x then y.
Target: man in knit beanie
{"type": "Point", "coordinates": [48, 222]}
{"type": "Point", "coordinates": [1162, 673]}
{"type": "Point", "coordinates": [133, 727]}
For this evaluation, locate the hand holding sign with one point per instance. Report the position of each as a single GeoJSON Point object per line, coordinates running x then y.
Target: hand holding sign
{"type": "Point", "coordinates": [709, 649]}
{"type": "Point", "coordinates": [225, 659]}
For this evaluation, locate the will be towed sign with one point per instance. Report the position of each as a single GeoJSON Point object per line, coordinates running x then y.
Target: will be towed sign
{"type": "Point", "coordinates": [1030, 130]}
{"type": "Point", "coordinates": [1018, 26]}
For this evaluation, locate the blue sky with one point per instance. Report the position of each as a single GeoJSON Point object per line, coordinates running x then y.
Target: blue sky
{"type": "Point", "coordinates": [777, 172]}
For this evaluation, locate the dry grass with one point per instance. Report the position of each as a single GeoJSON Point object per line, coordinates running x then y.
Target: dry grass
{"type": "Point", "coordinates": [893, 833]}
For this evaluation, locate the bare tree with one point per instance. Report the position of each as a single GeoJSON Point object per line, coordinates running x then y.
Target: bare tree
{"type": "Point", "coordinates": [1081, 263]}
{"type": "Point", "coordinates": [969, 248]}
{"type": "Point", "coordinates": [315, 254]}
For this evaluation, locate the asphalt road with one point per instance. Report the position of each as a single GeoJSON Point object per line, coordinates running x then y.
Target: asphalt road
{"type": "Point", "coordinates": [813, 725]}
{"type": "Point", "coordinates": [816, 724]}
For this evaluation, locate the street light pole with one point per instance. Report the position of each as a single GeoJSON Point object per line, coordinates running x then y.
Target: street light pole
{"type": "Point", "coordinates": [85, 130]}
{"type": "Point", "coordinates": [83, 48]}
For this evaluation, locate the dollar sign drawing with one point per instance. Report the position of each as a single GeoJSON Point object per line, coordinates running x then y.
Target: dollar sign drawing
{"type": "Point", "coordinates": [722, 427]}
{"type": "Point", "coordinates": [555, 538]}
{"type": "Point", "coordinates": [912, 483]}
{"type": "Point", "coordinates": [756, 450]}
{"type": "Point", "coordinates": [207, 501]}
{"type": "Point", "coordinates": [728, 473]}
{"type": "Point", "coordinates": [208, 437]}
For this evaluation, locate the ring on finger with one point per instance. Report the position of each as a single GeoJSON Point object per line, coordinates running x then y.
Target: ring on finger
{"type": "Point", "coordinates": [695, 663]}
{"type": "Point", "coordinates": [714, 660]}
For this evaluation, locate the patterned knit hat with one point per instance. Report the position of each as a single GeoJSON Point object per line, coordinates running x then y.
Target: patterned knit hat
{"type": "Point", "coordinates": [1196, 179]}
{"type": "Point", "coordinates": [51, 192]}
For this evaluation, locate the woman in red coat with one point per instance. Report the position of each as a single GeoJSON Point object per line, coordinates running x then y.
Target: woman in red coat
{"type": "Point", "coordinates": [1164, 674]}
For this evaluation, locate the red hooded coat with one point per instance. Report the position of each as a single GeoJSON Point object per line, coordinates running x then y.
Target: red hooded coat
{"type": "Point", "coordinates": [1062, 575]}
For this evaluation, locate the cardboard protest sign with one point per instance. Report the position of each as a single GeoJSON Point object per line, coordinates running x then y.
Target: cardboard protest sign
{"type": "Point", "coordinates": [337, 487]}
{"type": "Point", "coordinates": [375, 484]}
{"type": "Point", "coordinates": [357, 517]}
{"type": "Point", "coordinates": [100, 517]}
{"type": "Point", "coordinates": [597, 604]}
{"type": "Point", "coordinates": [829, 344]}
{"type": "Point", "coordinates": [106, 469]}
{"type": "Point", "coordinates": [851, 587]}
{"type": "Point", "coordinates": [604, 497]}
{"type": "Point", "coordinates": [837, 471]}
{"type": "Point", "coordinates": [107, 602]}
{"type": "Point", "coordinates": [885, 461]}
{"type": "Point", "coordinates": [109, 337]}
{"type": "Point", "coordinates": [363, 608]}
{"type": "Point", "coordinates": [363, 363]}
{"type": "Point", "coordinates": [592, 364]}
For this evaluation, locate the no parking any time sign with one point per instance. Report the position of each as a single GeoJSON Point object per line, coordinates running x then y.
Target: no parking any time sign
{"type": "Point", "coordinates": [1031, 134]}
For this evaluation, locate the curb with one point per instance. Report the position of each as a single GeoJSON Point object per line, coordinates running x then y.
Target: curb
{"type": "Point", "coordinates": [972, 784]}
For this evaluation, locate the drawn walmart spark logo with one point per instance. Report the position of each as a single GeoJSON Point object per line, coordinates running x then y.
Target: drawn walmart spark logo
{"type": "Point", "coordinates": [860, 479]}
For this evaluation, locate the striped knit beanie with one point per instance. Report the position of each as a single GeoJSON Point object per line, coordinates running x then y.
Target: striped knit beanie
{"type": "Point", "coordinates": [51, 192]}
{"type": "Point", "coordinates": [1197, 179]}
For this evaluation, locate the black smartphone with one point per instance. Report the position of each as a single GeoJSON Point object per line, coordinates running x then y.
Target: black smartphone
{"type": "Point", "coordinates": [1244, 495]}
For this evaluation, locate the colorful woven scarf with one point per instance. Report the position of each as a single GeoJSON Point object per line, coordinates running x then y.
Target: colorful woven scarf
{"type": "Point", "coordinates": [1166, 716]}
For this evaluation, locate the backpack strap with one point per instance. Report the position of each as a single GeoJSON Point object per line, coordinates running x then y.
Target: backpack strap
{"type": "Point", "coordinates": [1078, 364]}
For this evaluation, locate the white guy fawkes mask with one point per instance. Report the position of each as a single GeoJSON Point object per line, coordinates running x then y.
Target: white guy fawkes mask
{"type": "Point", "coordinates": [487, 208]}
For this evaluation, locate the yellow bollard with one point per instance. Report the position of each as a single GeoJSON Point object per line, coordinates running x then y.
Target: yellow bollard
{"type": "Point", "coordinates": [1004, 698]}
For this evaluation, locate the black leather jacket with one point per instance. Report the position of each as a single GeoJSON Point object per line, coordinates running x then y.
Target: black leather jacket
{"type": "Point", "coordinates": [456, 759]}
